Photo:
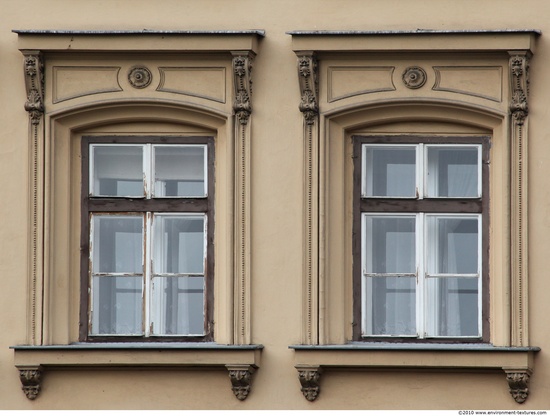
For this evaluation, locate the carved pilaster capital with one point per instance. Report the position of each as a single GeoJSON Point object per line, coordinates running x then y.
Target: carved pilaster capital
{"type": "Point", "coordinates": [34, 83]}
{"type": "Point", "coordinates": [309, 90]}
{"type": "Point", "coordinates": [242, 81]}
{"type": "Point", "coordinates": [519, 77]}
{"type": "Point", "coordinates": [241, 379]}
{"type": "Point", "coordinates": [518, 381]}
{"type": "Point", "coordinates": [309, 379]}
{"type": "Point", "coordinates": [30, 379]}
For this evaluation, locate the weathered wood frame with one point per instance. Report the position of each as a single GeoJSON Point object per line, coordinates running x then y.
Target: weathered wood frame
{"type": "Point", "coordinates": [121, 205]}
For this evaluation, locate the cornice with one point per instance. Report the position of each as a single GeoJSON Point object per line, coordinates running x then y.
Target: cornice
{"type": "Point", "coordinates": [417, 40]}
{"type": "Point", "coordinates": [409, 32]}
{"type": "Point", "coordinates": [258, 32]}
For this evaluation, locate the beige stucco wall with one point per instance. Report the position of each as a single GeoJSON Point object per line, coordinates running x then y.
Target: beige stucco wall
{"type": "Point", "coordinates": [276, 217]}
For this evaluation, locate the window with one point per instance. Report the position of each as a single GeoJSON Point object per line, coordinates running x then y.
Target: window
{"type": "Point", "coordinates": [421, 212]}
{"type": "Point", "coordinates": [147, 211]}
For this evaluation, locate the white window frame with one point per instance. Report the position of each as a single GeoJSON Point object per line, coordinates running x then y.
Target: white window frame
{"type": "Point", "coordinates": [422, 238]}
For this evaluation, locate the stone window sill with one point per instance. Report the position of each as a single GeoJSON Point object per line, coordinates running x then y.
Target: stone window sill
{"type": "Point", "coordinates": [240, 360]}
{"type": "Point", "coordinates": [516, 362]}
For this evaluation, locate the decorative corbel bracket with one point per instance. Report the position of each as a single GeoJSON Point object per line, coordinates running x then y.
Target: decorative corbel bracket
{"type": "Point", "coordinates": [518, 381]}
{"type": "Point", "coordinates": [34, 83]}
{"type": "Point", "coordinates": [309, 89]}
{"type": "Point", "coordinates": [31, 378]}
{"type": "Point", "coordinates": [519, 71]}
{"type": "Point", "coordinates": [242, 80]}
{"type": "Point", "coordinates": [241, 379]}
{"type": "Point", "coordinates": [310, 377]}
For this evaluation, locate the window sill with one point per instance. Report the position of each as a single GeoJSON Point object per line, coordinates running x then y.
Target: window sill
{"type": "Point", "coordinates": [516, 362]}
{"type": "Point", "coordinates": [240, 360]}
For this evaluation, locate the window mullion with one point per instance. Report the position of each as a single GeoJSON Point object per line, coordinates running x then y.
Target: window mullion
{"type": "Point", "coordinates": [147, 170]}
{"type": "Point", "coordinates": [420, 275]}
{"type": "Point", "coordinates": [148, 260]}
{"type": "Point", "coordinates": [420, 171]}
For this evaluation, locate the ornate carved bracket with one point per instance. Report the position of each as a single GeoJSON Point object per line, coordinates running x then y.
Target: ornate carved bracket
{"type": "Point", "coordinates": [34, 83]}
{"type": "Point", "coordinates": [309, 379]}
{"type": "Point", "coordinates": [309, 89]}
{"type": "Point", "coordinates": [518, 381]}
{"type": "Point", "coordinates": [241, 378]}
{"type": "Point", "coordinates": [30, 380]}
{"type": "Point", "coordinates": [519, 71]}
{"type": "Point", "coordinates": [242, 68]}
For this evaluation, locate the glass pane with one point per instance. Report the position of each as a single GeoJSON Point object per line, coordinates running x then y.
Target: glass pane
{"type": "Point", "coordinates": [389, 306]}
{"type": "Point", "coordinates": [117, 170]}
{"type": "Point", "coordinates": [116, 306]}
{"type": "Point", "coordinates": [178, 306]}
{"type": "Point", "coordinates": [452, 245]}
{"type": "Point", "coordinates": [452, 307]}
{"type": "Point", "coordinates": [117, 244]}
{"type": "Point", "coordinates": [179, 171]}
{"type": "Point", "coordinates": [390, 171]}
{"type": "Point", "coordinates": [453, 171]}
{"type": "Point", "coordinates": [390, 244]}
{"type": "Point", "coordinates": [179, 244]}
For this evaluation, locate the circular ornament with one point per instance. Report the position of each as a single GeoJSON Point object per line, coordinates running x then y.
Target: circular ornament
{"type": "Point", "coordinates": [139, 77]}
{"type": "Point", "coordinates": [414, 77]}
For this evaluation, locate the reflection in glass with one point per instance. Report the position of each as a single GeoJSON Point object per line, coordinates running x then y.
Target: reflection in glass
{"type": "Point", "coordinates": [452, 306]}
{"type": "Point", "coordinates": [179, 171]}
{"type": "Point", "coordinates": [179, 244]}
{"type": "Point", "coordinates": [390, 306]}
{"type": "Point", "coordinates": [390, 171]}
{"type": "Point", "coordinates": [117, 244]}
{"type": "Point", "coordinates": [117, 170]}
{"type": "Point", "coordinates": [453, 245]}
{"type": "Point", "coordinates": [390, 244]}
{"type": "Point", "coordinates": [117, 305]}
{"type": "Point", "coordinates": [178, 305]}
{"type": "Point", "coordinates": [453, 171]}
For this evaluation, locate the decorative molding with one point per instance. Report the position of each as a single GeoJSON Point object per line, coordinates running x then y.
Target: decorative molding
{"type": "Point", "coordinates": [414, 77]}
{"type": "Point", "coordinates": [519, 77]}
{"type": "Point", "coordinates": [349, 81]}
{"type": "Point", "coordinates": [309, 106]}
{"type": "Point", "coordinates": [309, 379]}
{"type": "Point", "coordinates": [184, 80]}
{"type": "Point", "coordinates": [241, 378]}
{"type": "Point", "coordinates": [139, 77]}
{"type": "Point", "coordinates": [242, 107]}
{"type": "Point", "coordinates": [309, 89]}
{"type": "Point", "coordinates": [30, 380]}
{"type": "Point", "coordinates": [34, 84]}
{"type": "Point", "coordinates": [83, 81]}
{"type": "Point", "coordinates": [242, 68]}
{"type": "Point", "coordinates": [519, 91]}
{"type": "Point", "coordinates": [476, 81]}
{"type": "Point", "coordinates": [518, 381]}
